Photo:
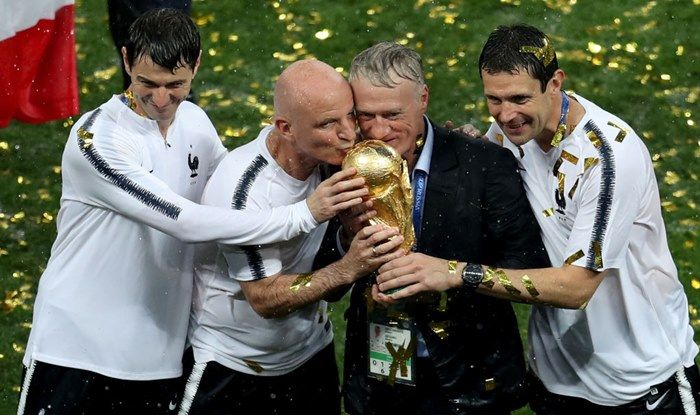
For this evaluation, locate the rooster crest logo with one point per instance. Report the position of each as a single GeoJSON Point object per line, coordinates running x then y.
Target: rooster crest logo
{"type": "Point", "coordinates": [193, 162]}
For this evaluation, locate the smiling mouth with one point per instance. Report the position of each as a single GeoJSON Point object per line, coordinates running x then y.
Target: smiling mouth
{"type": "Point", "coordinates": [514, 126]}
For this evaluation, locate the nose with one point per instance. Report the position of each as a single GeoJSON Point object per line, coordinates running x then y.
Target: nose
{"type": "Point", "coordinates": [378, 129]}
{"type": "Point", "coordinates": [347, 129]}
{"type": "Point", "coordinates": [506, 112]}
{"type": "Point", "coordinates": [161, 97]}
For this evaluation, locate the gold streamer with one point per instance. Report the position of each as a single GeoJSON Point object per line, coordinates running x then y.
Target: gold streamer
{"type": "Point", "coordinates": [558, 135]}
{"type": "Point", "coordinates": [574, 257]}
{"type": "Point", "coordinates": [573, 189]}
{"type": "Point", "coordinates": [545, 53]}
{"type": "Point", "coordinates": [419, 142]}
{"type": "Point", "coordinates": [397, 315]}
{"type": "Point", "coordinates": [597, 254]}
{"type": "Point", "coordinates": [583, 306]}
{"type": "Point", "coordinates": [254, 366]}
{"type": "Point", "coordinates": [499, 138]}
{"type": "Point", "coordinates": [488, 278]}
{"type": "Point", "coordinates": [593, 137]}
{"type": "Point", "coordinates": [303, 280]}
{"type": "Point", "coordinates": [452, 266]}
{"type": "Point", "coordinates": [548, 212]}
{"type": "Point", "coordinates": [442, 306]}
{"type": "Point", "coordinates": [440, 328]}
{"type": "Point", "coordinates": [569, 157]}
{"type": "Point", "coordinates": [561, 177]}
{"type": "Point", "coordinates": [621, 134]}
{"type": "Point", "coordinates": [589, 162]}
{"type": "Point", "coordinates": [529, 286]}
{"type": "Point", "coordinates": [503, 280]}
{"type": "Point", "coordinates": [86, 136]}
{"type": "Point", "coordinates": [399, 358]}
{"type": "Point", "coordinates": [557, 164]}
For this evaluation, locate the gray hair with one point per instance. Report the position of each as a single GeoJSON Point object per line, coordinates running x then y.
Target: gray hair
{"type": "Point", "coordinates": [379, 62]}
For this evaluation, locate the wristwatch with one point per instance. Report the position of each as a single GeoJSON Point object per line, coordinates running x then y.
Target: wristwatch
{"type": "Point", "coordinates": [472, 275]}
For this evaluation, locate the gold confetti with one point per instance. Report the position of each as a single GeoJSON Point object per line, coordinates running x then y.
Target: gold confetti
{"type": "Point", "coordinates": [499, 138]}
{"type": "Point", "coordinates": [573, 189]}
{"type": "Point", "coordinates": [597, 255]}
{"type": "Point", "coordinates": [323, 34]}
{"type": "Point", "coordinates": [621, 134]}
{"type": "Point", "coordinates": [574, 257]}
{"type": "Point", "coordinates": [489, 384]}
{"type": "Point", "coordinates": [695, 284]}
{"type": "Point", "coordinates": [569, 157]}
{"type": "Point", "coordinates": [503, 279]}
{"type": "Point", "coordinates": [302, 280]}
{"type": "Point", "coordinates": [589, 162]}
{"type": "Point", "coordinates": [671, 178]}
{"type": "Point", "coordinates": [440, 328]}
{"type": "Point", "coordinates": [548, 212]}
{"type": "Point", "coordinates": [254, 366]}
{"type": "Point", "coordinates": [488, 278]}
{"type": "Point", "coordinates": [557, 164]}
{"type": "Point", "coordinates": [594, 139]}
{"type": "Point", "coordinates": [529, 286]}
{"type": "Point", "coordinates": [545, 53]}
{"type": "Point", "coordinates": [594, 47]}
{"type": "Point", "coordinates": [106, 74]}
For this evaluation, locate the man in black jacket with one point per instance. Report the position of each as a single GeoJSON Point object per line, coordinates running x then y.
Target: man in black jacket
{"type": "Point", "coordinates": [459, 353]}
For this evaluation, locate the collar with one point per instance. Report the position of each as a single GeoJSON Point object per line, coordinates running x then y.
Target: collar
{"type": "Point", "coordinates": [423, 162]}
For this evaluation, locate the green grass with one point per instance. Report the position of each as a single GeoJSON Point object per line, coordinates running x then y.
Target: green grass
{"type": "Point", "coordinates": [637, 59]}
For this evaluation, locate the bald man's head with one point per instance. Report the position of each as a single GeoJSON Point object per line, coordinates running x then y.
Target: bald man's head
{"type": "Point", "coordinates": [314, 111]}
{"type": "Point", "coordinates": [302, 83]}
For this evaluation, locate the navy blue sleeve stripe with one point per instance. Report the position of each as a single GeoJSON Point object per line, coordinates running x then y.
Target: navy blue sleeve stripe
{"type": "Point", "coordinates": [120, 180]}
{"type": "Point", "coordinates": [605, 197]}
{"type": "Point", "coordinates": [240, 196]}
{"type": "Point", "coordinates": [240, 199]}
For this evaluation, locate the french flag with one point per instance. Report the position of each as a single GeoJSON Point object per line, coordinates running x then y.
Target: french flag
{"type": "Point", "coordinates": [38, 77]}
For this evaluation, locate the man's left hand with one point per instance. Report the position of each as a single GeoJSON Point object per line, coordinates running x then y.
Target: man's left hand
{"type": "Point", "coordinates": [416, 273]}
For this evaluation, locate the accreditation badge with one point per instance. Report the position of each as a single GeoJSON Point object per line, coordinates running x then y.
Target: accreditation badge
{"type": "Point", "coordinates": [392, 351]}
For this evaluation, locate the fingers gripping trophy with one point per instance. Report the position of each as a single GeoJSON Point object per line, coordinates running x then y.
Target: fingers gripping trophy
{"type": "Point", "coordinates": [386, 175]}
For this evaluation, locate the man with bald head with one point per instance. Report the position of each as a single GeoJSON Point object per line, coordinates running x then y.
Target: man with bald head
{"type": "Point", "coordinates": [261, 339]}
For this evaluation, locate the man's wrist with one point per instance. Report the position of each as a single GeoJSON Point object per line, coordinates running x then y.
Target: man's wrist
{"type": "Point", "coordinates": [472, 275]}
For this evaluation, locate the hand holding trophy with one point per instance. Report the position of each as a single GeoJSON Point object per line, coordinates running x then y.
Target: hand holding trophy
{"type": "Point", "coordinates": [386, 176]}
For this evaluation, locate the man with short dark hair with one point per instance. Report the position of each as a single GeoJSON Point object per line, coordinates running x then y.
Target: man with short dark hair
{"type": "Point", "coordinates": [609, 332]}
{"type": "Point", "coordinates": [111, 313]}
{"type": "Point", "coordinates": [459, 353]}
{"type": "Point", "coordinates": [122, 13]}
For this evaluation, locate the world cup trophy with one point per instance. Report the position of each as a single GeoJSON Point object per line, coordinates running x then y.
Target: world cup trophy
{"type": "Point", "coordinates": [386, 176]}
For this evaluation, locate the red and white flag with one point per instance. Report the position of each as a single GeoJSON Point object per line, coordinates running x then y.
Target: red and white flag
{"type": "Point", "coordinates": [38, 78]}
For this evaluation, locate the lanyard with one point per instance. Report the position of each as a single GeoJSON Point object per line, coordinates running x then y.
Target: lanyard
{"type": "Point", "coordinates": [420, 182]}
{"type": "Point", "coordinates": [561, 128]}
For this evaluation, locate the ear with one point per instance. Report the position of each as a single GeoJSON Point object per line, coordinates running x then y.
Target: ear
{"type": "Point", "coordinates": [424, 98]}
{"type": "Point", "coordinates": [127, 67]}
{"type": "Point", "coordinates": [283, 126]}
{"type": "Point", "coordinates": [557, 81]}
{"type": "Point", "coordinates": [196, 64]}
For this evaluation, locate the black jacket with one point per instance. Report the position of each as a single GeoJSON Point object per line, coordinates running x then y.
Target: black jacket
{"type": "Point", "coordinates": [475, 210]}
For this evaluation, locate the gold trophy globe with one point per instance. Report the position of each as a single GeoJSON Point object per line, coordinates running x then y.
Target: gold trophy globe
{"type": "Point", "coordinates": [386, 176]}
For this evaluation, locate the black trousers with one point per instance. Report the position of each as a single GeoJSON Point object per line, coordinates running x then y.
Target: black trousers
{"type": "Point", "coordinates": [58, 390]}
{"type": "Point", "coordinates": [670, 397]}
{"type": "Point", "coordinates": [311, 389]}
{"type": "Point", "coordinates": [122, 14]}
